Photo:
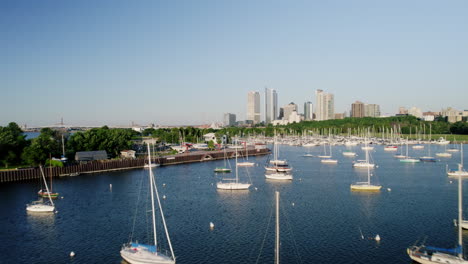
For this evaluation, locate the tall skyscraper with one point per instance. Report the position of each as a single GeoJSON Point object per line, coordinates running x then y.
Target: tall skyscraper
{"type": "Point", "coordinates": [308, 111]}
{"type": "Point", "coordinates": [357, 109]}
{"type": "Point", "coordinates": [229, 119]}
{"type": "Point", "coordinates": [253, 107]}
{"type": "Point", "coordinates": [271, 105]}
{"type": "Point", "coordinates": [324, 106]}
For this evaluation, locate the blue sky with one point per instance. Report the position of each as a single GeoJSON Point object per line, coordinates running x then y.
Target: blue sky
{"type": "Point", "coordinates": [188, 62]}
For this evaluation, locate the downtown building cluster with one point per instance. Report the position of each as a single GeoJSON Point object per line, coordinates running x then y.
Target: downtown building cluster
{"type": "Point", "coordinates": [323, 109]}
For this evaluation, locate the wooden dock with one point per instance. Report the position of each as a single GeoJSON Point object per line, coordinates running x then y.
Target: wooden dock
{"type": "Point", "coordinates": [123, 164]}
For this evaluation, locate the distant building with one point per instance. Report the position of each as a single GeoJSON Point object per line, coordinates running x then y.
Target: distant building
{"type": "Point", "coordinates": [229, 119]}
{"type": "Point", "coordinates": [271, 105]}
{"type": "Point", "coordinates": [210, 137]}
{"type": "Point", "coordinates": [253, 107]}
{"type": "Point", "coordinates": [372, 110]}
{"type": "Point", "coordinates": [308, 111]}
{"type": "Point", "coordinates": [430, 116]}
{"type": "Point", "coordinates": [340, 116]}
{"type": "Point", "coordinates": [324, 106]}
{"type": "Point", "coordinates": [357, 109]}
{"type": "Point", "coordinates": [452, 115]}
{"type": "Point", "coordinates": [414, 111]}
{"type": "Point", "coordinates": [288, 110]}
{"type": "Point", "coordinates": [281, 114]}
{"type": "Point", "coordinates": [402, 111]}
{"type": "Point", "coordinates": [127, 154]}
{"type": "Point", "coordinates": [91, 155]}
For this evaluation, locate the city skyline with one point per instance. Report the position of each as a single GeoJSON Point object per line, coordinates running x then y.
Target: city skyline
{"type": "Point", "coordinates": [172, 63]}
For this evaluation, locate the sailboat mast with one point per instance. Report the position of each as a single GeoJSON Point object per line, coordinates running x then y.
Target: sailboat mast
{"type": "Point", "coordinates": [236, 164]}
{"type": "Point", "coordinates": [152, 194]}
{"type": "Point", "coordinates": [460, 217]}
{"type": "Point", "coordinates": [47, 187]}
{"type": "Point", "coordinates": [277, 237]}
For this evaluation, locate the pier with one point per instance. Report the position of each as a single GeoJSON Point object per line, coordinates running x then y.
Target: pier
{"type": "Point", "coordinates": [125, 164]}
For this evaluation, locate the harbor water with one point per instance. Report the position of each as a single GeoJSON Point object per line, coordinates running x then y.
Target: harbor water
{"type": "Point", "coordinates": [321, 219]}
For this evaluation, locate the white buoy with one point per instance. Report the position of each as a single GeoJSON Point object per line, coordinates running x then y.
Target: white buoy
{"type": "Point", "coordinates": [61, 197]}
{"type": "Point", "coordinates": [450, 181]}
{"type": "Point", "coordinates": [377, 238]}
{"type": "Point", "coordinates": [72, 254]}
{"type": "Point", "coordinates": [256, 188]}
{"type": "Point", "coordinates": [388, 189]}
{"type": "Point", "coordinates": [110, 187]}
{"type": "Point", "coordinates": [293, 204]}
{"type": "Point", "coordinates": [164, 197]}
{"type": "Point", "coordinates": [164, 185]}
{"type": "Point", "coordinates": [211, 225]}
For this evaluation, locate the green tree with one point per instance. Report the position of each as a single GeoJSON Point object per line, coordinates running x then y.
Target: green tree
{"type": "Point", "coordinates": [12, 144]}
{"type": "Point", "coordinates": [47, 143]}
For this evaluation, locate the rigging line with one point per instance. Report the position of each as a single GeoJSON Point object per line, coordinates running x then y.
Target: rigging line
{"type": "Point", "coordinates": [288, 224]}
{"type": "Point", "coordinates": [136, 207]}
{"type": "Point", "coordinates": [266, 231]}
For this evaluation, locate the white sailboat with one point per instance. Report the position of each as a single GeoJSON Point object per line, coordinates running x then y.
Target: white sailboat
{"type": "Point", "coordinates": [246, 163]}
{"type": "Point", "coordinates": [365, 186]}
{"type": "Point", "coordinates": [460, 171]}
{"type": "Point", "coordinates": [408, 159]}
{"type": "Point", "coordinates": [364, 163]}
{"type": "Point", "coordinates": [236, 185]}
{"type": "Point", "coordinates": [329, 160]}
{"type": "Point", "coordinates": [427, 255]}
{"type": "Point", "coordinates": [137, 253]}
{"type": "Point", "coordinates": [40, 206]}
{"type": "Point", "coordinates": [444, 154]}
{"type": "Point", "coordinates": [325, 155]}
{"type": "Point", "coordinates": [277, 165]}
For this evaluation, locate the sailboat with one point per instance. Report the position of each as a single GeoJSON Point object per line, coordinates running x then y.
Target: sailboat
{"type": "Point", "coordinates": [408, 159]}
{"type": "Point", "coordinates": [137, 253]}
{"type": "Point", "coordinates": [428, 158]}
{"type": "Point", "coordinates": [46, 193]}
{"type": "Point", "coordinates": [444, 154]}
{"type": "Point", "coordinates": [426, 254]}
{"type": "Point", "coordinates": [365, 186]}
{"type": "Point", "coordinates": [224, 169]}
{"type": "Point", "coordinates": [364, 163]}
{"type": "Point", "coordinates": [40, 206]}
{"type": "Point", "coordinates": [245, 163]}
{"type": "Point", "coordinates": [233, 185]}
{"type": "Point", "coordinates": [325, 156]}
{"type": "Point", "coordinates": [460, 171]}
{"type": "Point", "coordinates": [277, 165]}
{"type": "Point", "coordinates": [329, 160]}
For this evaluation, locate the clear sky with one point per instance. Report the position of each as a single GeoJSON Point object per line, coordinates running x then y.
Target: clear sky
{"type": "Point", "coordinates": [181, 62]}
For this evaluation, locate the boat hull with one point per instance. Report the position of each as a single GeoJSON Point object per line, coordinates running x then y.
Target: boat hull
{"type": "Point", "coordinates": [140, 255]}
{"type": "Point", "coordinates": [365, 187]}
{"type": "Point", "coordinates": [40, 208]}
{"type": "Point", "coordinates": [279, 176]}
{"type": "Point", "coordinates": [245, 164]}
{"type": "Point", "coordinates": [233, 186]}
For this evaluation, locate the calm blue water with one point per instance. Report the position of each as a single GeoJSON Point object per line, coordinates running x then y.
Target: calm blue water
{"type": "Point", "coordinates": [321, 218]}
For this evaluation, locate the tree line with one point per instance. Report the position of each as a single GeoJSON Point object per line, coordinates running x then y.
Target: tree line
{"type": "Point", "coordinates": [16, 149]}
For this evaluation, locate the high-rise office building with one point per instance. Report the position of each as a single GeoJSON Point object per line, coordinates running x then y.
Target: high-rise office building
{"type": "Point", "coordinates": [324, 106]}
{"type": "Point", "coordinates": [308, 111]}
{"type": "Point", "coordinates": [372, 110]}
{"type": "Point", "coordinates": [253, 107]}
{"type": "Point", "coordinates": [357, 109]}
{"type": "Point", "coordinates": [229, 119]}
{"type": "Point", "coordinates": [271, 105]}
